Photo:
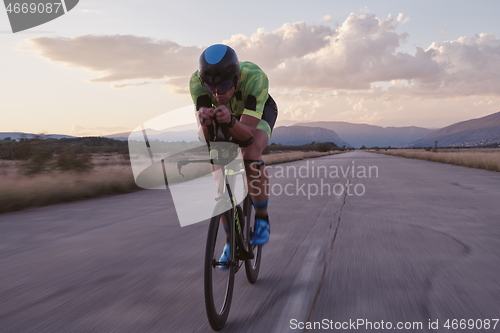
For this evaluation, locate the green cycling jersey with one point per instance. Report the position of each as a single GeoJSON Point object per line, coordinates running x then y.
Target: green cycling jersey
{"type": "Point", "coordinates": [249, 98]}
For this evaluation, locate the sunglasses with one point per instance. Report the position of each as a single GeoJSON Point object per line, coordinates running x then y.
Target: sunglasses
{"type": "Point", "coordinates": [220, 88]}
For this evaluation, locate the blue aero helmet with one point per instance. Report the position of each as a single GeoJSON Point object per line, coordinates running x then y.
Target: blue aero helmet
{"type": "Point", "coordinates": [219, 68]}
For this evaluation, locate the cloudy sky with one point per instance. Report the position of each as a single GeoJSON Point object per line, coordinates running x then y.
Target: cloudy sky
{"type": "Point", "coordinates": [108, 66]}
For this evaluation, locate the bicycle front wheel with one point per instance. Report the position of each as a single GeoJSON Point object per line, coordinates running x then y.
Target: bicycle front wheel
{"type": "Point", "coordinates": [252, 266]}
{"type": "Point", "coordinates": [219, 276]}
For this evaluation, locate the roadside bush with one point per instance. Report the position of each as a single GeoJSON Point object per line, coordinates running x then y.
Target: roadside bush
{"type": "Point", "coordinates": [37, 156]}
{"type": "Point", "coordinates": [324, 147]}
{"type": "Point", "coordinates": [40, 157]}
{"type": "Point", "coordinates": [74, 159]}
{"type": "Point", "coordinates": [313, 146]}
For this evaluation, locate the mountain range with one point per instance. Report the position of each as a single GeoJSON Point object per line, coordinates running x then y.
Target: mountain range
{"type": "Point", "coordinates": [21, 135]}
{"type": "Point", "coordinates": [359, 135]}
{"type": "Point", "coordinates": [471, 133]}
{"type": "Point", "coordinates": [299, 135]}
{"type": "Point", "coordinates": [484, 131]}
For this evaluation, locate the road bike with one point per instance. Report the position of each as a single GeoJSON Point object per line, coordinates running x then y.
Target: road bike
{"type": "Point", "coordinates": [237, 229]}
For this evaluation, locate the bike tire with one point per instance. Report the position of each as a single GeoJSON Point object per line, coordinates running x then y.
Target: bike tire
{"type": "Point", "coordinates": [252, 266]}
{"type": "Point", "coordinates": [219, 283]}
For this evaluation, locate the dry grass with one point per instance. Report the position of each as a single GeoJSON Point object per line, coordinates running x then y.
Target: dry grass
{"type": "Point", "coordinates": [479, 158]}
{"type": "Point", "coordinates": [111, 175]}
{"type": "Point", "coordinates": [20, 192]}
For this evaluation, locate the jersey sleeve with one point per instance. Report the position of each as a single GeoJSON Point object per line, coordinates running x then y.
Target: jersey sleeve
{"type": "Point", "coordinates": [256, 90]}
{"type": "Point", "coordinates": [200, 96]}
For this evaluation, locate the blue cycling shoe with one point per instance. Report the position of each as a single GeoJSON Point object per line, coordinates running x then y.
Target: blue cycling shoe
{"type": "Point", "coordinates": [225, 256]}
{"type": "Point", "coordinates": [261, 233]}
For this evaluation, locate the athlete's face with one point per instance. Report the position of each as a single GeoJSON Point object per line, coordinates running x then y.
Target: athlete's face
{"type": "Point", "coordinates": [225, 97]}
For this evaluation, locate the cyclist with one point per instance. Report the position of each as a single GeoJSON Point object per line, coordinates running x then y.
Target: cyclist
{"type": "Point", "coordinates": [236, 94]}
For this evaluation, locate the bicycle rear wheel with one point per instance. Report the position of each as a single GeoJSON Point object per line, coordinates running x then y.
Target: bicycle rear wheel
{"type": "Point", "coordinates": [252, 266]}
{"type": "Point", "coordinates": [219, 282]}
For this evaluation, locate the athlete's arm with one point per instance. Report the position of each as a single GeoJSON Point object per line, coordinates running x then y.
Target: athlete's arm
{"type": "Point", "coordinates": [205, 118]}
{"type": "Point", "coordinates": [243, 129]}
{"type": "Point", "coordinates": [256, 95]}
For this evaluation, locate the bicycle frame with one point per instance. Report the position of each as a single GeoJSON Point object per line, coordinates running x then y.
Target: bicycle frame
{"type": "Point", "coordinates": [225, 187]}
{"type": "Point", "coordinates": [237, 225]}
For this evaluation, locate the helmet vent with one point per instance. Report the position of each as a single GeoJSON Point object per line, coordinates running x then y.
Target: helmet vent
{"type": "Point", "coordinates": [215, 53]}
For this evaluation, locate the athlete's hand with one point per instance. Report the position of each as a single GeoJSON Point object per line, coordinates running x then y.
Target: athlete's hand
{"type": "Point", "coordinates": [205, 116]}
{"type": "Point", "coordinates": [222, 114]}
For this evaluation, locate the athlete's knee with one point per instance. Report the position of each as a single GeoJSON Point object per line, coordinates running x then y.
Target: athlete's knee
{"type": "Point", "coordinates": [254, 151]}
{"type": "Point", "coordinates": [254, 168]}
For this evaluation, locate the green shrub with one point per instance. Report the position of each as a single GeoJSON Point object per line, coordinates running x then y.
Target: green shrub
{"type": "Point", "coordinates": [37, 156]}
{"type": "Point", "coordinates": [74, 159]}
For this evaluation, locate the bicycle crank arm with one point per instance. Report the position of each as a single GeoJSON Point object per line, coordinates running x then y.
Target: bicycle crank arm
{"type": "Point", "coordinates": [224, 263]}
{"type": "Point", "coordinates": [245, 255]}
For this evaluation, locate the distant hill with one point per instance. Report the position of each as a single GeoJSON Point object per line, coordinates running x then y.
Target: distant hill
{"type": "Point", "coordinates": [166, 135]}
{"type": "Point", "coordinates": [299, 135]}
{"type": "Point", "coordinates": [370, 135]}
{"type": "Point", "coordinates": [19, 135]}
{"type": "Point", "coordinates": [280, 122]}
{"type": "Point", "coordinates": [187, 132]}
{"type": "Point", "coordinates": [475, 132]}
{"type": "Point", "coordinates": [471, 133]}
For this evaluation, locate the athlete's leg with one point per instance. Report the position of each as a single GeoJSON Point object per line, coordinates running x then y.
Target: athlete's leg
{"type": "Point", "coordinates": [258, 183]}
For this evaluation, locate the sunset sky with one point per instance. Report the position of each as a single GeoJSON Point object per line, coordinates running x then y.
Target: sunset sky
{"type": "Point", "coordinates": [108, 66]}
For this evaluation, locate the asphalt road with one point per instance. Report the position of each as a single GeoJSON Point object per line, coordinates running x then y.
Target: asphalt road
{"type": "Point", "coordinates": [410, 242]}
